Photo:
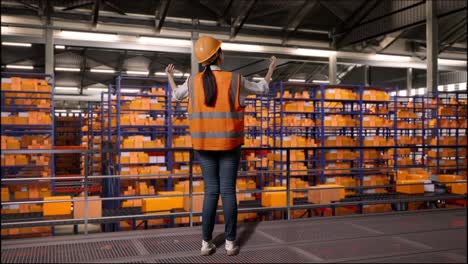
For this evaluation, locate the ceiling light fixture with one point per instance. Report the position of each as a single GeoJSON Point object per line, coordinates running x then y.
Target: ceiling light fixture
{"type": "Point", "coordinates": [67, 69]}
{"type": "Point", "coordinates": [25, 67]}
{"type": "Point", "coordinates": [129, 90]}
{"type": "Point", "coordinates": [102, 71]}
{"type": "Point", "coordinates": [296, 80]}
{"type": "Point", "coordinates": [314, 52]}
{"type": "Point", "coordinates": [16, 44]}
{"type": "Point", "coordinates": [384, 57]}
{"type": "Point", "coordinates": [60, 110]}
{"type": "Point", "coordinates": [137, 72]}
{"type": "Point", "coordinates": [462, 86]}
{"type": "Point", "coordinates": [97, 89]}
{"type": "Point", "coordinates": [165, 41]}
{"type": "Point", "coordinates": [59, 46]}
{"type": "Point", "coordinates": [160, 73]}
{"type": "Point", "coordinates": [88, 36]}
{"type": "Point", "coordinates": [451, 62]}
{"type": "Point", "coordinates": [320, 81]}
{"type": "Point", "coordinates": [242, 47]}
{"type": "Point", "coordinates": [65, 88]}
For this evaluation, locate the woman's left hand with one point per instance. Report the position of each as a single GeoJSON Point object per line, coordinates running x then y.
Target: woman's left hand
{"type": "Point", "coordinates": [170, 70]}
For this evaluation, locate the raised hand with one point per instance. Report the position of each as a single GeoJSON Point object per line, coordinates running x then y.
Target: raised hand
{"type": "Point", "coordinates": [273, 63]}
{"type": "Point", "coordinates": [170, 70]}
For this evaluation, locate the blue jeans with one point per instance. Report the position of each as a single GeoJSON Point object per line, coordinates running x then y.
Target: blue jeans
{"type": "Point", "coordinates": [219, 170]}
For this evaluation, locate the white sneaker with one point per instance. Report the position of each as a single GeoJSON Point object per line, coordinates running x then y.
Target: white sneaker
{"type": "Point", "coordinates": [231, 248]}
{"type": "Point", "coordinates": [208, 248]}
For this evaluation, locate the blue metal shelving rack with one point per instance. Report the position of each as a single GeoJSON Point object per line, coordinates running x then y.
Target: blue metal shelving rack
{"type": "Point", "coordinates": [414, 105]}
{"type": "Point", "coordinates": [111, 106]}
{"type": "Point", "coordinates": [280, 130]}
{"type": "Point", "coordinates": [8, 105]}
{"type": "Point", "coordinates": [457, 128]}
{"type": "Point", "coordinates": [262, 130]}
{"type": "Point", "coordinates": [326, 108]}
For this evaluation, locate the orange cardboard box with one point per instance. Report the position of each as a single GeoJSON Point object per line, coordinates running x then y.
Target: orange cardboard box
{"type": "Point", "coordinates": [59, 208]}
{"type": "Point", "coordinates": [5, 194]}
{"type": "Point", "coordinates": [94, 207]}
{"type": "Point", "coordinates": [459, 188]}
{"type": "Point", "coordinates": [449, 178]}
{"type": "Point", "coordinates": [410, 189]}
{"type": "Point", "coordinates": [319, 195]}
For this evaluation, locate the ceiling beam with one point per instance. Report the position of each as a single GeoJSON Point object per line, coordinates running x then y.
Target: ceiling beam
{"type": "Point", "coordinates": [454, 40]}
{"type": "Point", "coordinates": [281, 65]}
{"type": "Point", "coordinates": [114, 7]}
{"type": "Point", "coordinates": [83, 69]}
{"type": "Point", "coordinates": [240, 19]}
{"type": "Point", "coordinates": [29, 6]}
{"type": "Point", "coordinates": [160, 14]}
{"type": "Point", "coordinates": [247, 65]}
{"type": "Point", "coordinates": [317, 70]}
{"type": "Point", "coordinates": [341, 15]}
{"type": "Point", "coordinates": [46, 10]}
{"type": "Point", "coordinates": [71, 7]}
{"type": "Point", "coordinates": [301, 13]}
{"type": "Point", "coordinates": [226, 10]}
{"type": "Point", "coordinates": [353, 20]}
{"type": "Point", "coordinates": [121, 61]}
{"type": "Point", "coordinates": [300, 66]}
{"type": "Point", "coordinates": [219, 15]}
{"type": "Point", "coordinates": [95, 14]}
{"type": "Point", "coordinates": [388, 40]}
{"type": "Point", "coordinates": [453, 30]}
{"type": "Point", "coordinates": [32, 58]}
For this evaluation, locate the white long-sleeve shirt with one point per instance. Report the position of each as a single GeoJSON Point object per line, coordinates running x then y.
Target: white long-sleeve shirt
{"type": "Point", "coordinates": [246, 88]}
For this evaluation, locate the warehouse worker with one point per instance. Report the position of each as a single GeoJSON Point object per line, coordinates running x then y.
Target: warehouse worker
{"type": "Point", "coordinates": [216, 121]}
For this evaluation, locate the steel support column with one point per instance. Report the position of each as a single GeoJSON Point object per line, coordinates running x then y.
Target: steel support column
{"type": "Point", "coordinates": [367, 75]}
{"type": "Point", "coordinates": [49, 51]}
{"type": "Point", "coordinates": [409, 80]}
{"type": "Point", "coordinates": [432, 50]}
{"type": "Point", "coordinates": [332, 69]}
{"type": "Point", "coordinates": [193, 60]}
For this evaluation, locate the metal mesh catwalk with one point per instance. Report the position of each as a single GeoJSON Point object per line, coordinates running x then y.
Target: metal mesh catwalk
{"type": "Point", "coordinates": [425, 236]}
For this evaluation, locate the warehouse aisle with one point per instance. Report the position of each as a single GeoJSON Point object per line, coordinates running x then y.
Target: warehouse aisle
{"type": "Point", "coordinates": [437, 236]}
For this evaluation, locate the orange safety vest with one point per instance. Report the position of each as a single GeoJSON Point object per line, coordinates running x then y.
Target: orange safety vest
{"type": "Point", "coordinates": [220, 127]}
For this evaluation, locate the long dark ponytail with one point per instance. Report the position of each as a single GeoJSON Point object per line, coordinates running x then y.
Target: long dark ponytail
{"type": "Point", "coordinates": [209, 84]}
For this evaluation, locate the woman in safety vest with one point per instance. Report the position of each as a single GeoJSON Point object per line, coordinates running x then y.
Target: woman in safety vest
{"type": "Point", "coordinates": [216, 121]}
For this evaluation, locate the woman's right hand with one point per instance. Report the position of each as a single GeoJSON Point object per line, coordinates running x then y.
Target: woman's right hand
{"type": "Point", "coordinates": [273, 63]}
{"type": "Point", "coordinates": [170, 70]}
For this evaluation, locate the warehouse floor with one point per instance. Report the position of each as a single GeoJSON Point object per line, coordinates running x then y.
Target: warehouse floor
{"type": "Point", "coordinates": [436, 236]}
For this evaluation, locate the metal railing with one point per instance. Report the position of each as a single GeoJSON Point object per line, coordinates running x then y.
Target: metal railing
{"type": "Point", "coordinates": [190, 175]}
